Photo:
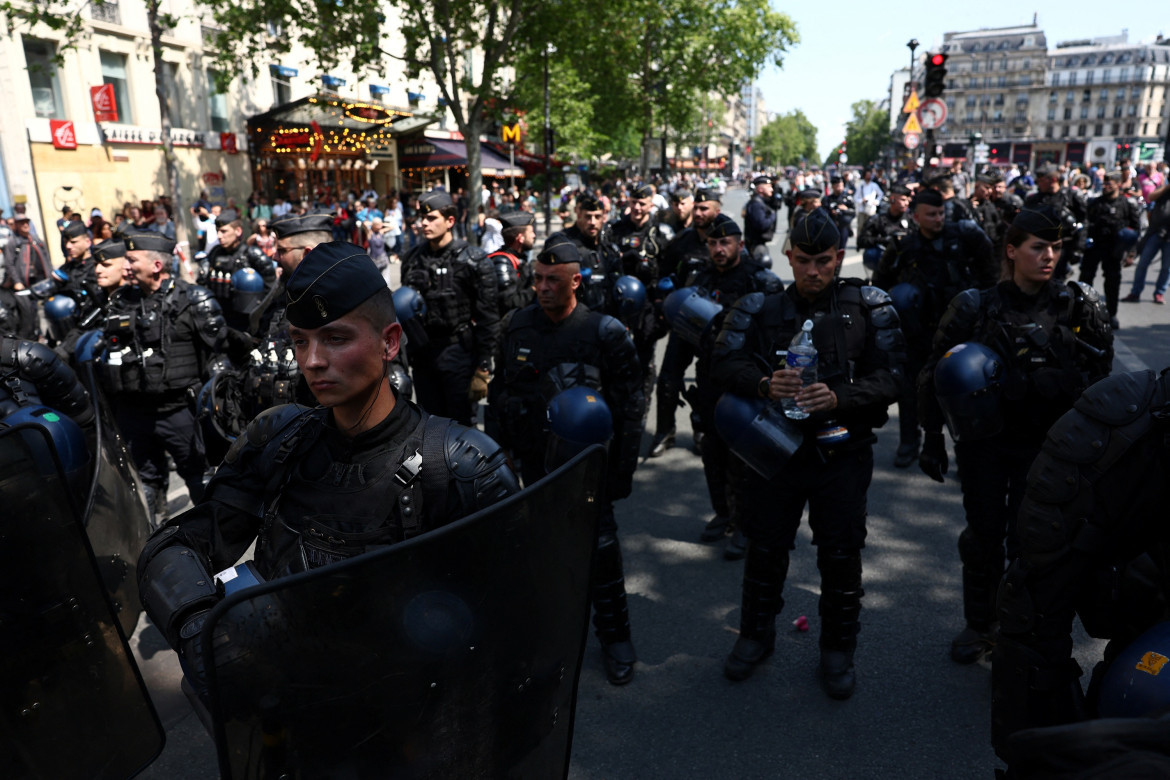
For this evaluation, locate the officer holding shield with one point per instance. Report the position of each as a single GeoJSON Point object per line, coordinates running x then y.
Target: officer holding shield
{"type": "Point", "coordinates": [860, 353]}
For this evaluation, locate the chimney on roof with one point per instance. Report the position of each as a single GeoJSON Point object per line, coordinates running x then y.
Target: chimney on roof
{"type": "Point", "coordinates": [1034, 18]}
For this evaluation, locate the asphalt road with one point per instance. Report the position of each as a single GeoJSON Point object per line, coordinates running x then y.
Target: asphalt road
{"type": "Point", "coordinates": [915, 714]}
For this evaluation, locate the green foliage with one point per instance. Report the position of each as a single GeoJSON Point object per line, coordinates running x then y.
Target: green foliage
{"type": "Point", "coordinates": [789, 139]}
{"type": "Point", "coordinates": [867, 133]}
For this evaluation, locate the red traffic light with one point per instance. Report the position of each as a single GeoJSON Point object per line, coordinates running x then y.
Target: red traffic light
{"type": "Point", "coordinates": [938, 59]}
{"type": "Point", "coordinates": [994, 151]}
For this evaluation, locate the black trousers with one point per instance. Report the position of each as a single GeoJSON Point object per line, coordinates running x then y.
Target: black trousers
{"type": "Point", "coordinates": [1109, 261]}
{"type": "Point", "coordinates": [677, 358]}
{"type": "Point", "coordinates": [151, 435]}
{"type": "Point", "coordinates": [441, 382]}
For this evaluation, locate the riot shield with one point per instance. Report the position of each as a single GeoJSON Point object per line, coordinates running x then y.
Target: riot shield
{"type": "Point", "coordinates": [74, 704]}
{"type": "Point", "coordinates": [117, 518]}
{"type": "Point", "coordinates": [454, 654]}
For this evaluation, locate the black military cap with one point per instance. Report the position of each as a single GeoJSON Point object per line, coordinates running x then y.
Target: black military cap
{"type": "Point", "coordinates": [642, 191]}
{"type": "Point", "coordinates": [1047, 169]}
{"type": "Point", "coordinates": [722, 227]}
{"type": "Point", "coordinates": [815, 232]}
{"type": "Point", "coordinates": [332, 280]}
{"type": "Point", "coordinates": [122, 228]}
{"type": "Point", "coordinates": [435, 200]}
{"type": "Point", "coordinates": [928, 197]}
{"type": "Point", "coordinates": [1043, 223]}
{"type": "Point", "coordinates": [152, 242]}
{"type": "Point", "coordinates": [899, 189]}
{"type": "Point", "coordinates": [74, 230]}
{"type": "Point", "coordinates": [681, 193]}
{"type": "Point", "coordinates": [989, 179]}
{"type": "Point", "coordinates": [761, 180]}
{"type": "Point", "coordinates": [227, 217]}
{"type": "Point", "coordinates": [108, 250]}
{"type": "Point", "coordinates": [558, 250]}
{"type": "Point", "coordinates": [589, 200]}
{"type": "Point", "coordinates": [810, 193]}
{"type": "Point", "coordinates": [708, 193]}
{"type": "Point", "coordinates": [291, 224]}
{"type": "Point", "coordinates": [516, 219]}
{"type": "Point", "coordinates": [834, 179]}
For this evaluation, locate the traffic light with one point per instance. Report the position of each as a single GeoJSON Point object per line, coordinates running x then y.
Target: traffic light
{"type": "Point", "coordinates": [936, 74]}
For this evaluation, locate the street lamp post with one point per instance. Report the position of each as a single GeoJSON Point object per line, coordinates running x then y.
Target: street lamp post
{"type": "Point", "coordinates": [548, 49]}
{"type": "Point", "coordinates": [911, 44]}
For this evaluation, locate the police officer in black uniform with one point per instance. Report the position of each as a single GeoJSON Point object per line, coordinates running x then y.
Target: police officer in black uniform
{"type": "Point", "coordinates": [728, 276]}
{"type": "Point", "coordinates": [759, 216]}
{"type": "Point", "coordinates": [79, 262]}
{"type": "Point", "coordinates": [548, 347]}
{"type": "Point", "coordinates": [1069, 205]}
{"type": "Point", "coordinates": [987, 213]}
{"type": "Point", "coordinates": [160, 335]}
{"type": "Point", "coordinates": [513, 272]}
{"type": "Point", "coordinates": [929, 266]}
{"type": "Point", "coordinates": [891, 221]}
{"type": "Point", "coordinates": [600, 259]}
{"type": "Point", "coordinates": [860, 354]}
{"type": "Point", "coordinates": [452, 344]}
{"type": "Point", "coordinates": [839, 204]}
{"type": "Point", "coordinates": [955, 208]}
{"type": "Point", "coordinates": [1109, 214]}
{"type": "Point", "coordinates": [1053, 341]}
{"type": "Point", "coordinates": [232, 254]}
{"type": "Point", "coordinates": [364, 470]}
{"type": "Point", "coordinates": [1008, 203]}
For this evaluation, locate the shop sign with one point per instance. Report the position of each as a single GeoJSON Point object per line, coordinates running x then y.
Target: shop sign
{"type": "Point", "coordinates": [133, 134]}
{"type": "Point", "coordinates": [227, 143]}
{"type": "Point", "coordinates": [64, 136]}
{"type": "Point", "coordinates": [105, 106]}
{"type": "Point", "coordinates": [511, 133]}
{"type": "Point", "coordinates": [212, 178]}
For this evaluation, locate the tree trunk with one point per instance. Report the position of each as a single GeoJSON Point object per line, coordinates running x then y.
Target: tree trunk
{"type": "Point", "coordinates": [174, 191]}
{"type": "Point", "coordinates": [474, 170]}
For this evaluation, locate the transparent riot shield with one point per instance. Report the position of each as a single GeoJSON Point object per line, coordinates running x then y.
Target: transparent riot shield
{"type": "Point", "coordinates": [117, 518]}
{"type": "Point", "coordinates": [74, 704]}
{"type": "Point", "coordinates": [454, 654]}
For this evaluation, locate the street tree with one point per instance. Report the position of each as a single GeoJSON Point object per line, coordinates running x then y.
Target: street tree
{"type": "Point", "coordinates": [789, 139]}
{"type": "Point", "coordinates": [867, 134]}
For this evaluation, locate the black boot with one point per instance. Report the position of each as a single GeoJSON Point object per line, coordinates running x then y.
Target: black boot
{"type": "Point", "coordinates": [983, 567]}
{"type": "Point", "coordinates": [611, 617]}
{"type": "Point", "coordinates": [840, 610]}
{"type": "Point", "coordinates": [764, 573]}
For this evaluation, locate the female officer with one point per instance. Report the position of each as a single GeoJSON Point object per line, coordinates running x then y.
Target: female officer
{"type": "Point", "coordinates": [1009, 360]}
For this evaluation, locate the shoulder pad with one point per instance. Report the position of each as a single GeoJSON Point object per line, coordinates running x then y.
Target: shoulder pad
{"type": "Point", "coordinates": [1082, 290]}
{"type": "Point", "coordinates": [849, 290]}
{"type": "Point", "coordinates": [968, 302]}
{"type": "Point", "coordinates": [471, 254]}
{"type": "Point", "coordinates": [197, 294]}
{"type": "Point", "coordinates": [969, 227]}
{"type": "Point", "coordinates": [750, 303]}
{"type": "Point", "coordinates": [473, 456]}
{"type": "Point", "coordinates": [874, 296]}
{"type": "Point", "coordinates": [265, 428]}
{"type": "Point", "coordinates": [519, 318]}
{"type": "Point", "coordinates": [1119, 399]}
{"type": "Point", "coordinates": [610, 327]}
{"type": "Point", "coordinates": [767, 281]}
{"type": "Point", "coordinates": [254, 252]}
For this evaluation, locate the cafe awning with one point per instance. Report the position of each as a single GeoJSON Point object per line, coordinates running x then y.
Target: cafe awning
{"type": "Point", "coordinates": [433, 154]}
{"type": "Point", "coordinates": [330, 124]}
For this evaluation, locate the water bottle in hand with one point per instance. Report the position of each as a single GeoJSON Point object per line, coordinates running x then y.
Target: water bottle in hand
{"type": "Point", "coordinates": [803, 355]}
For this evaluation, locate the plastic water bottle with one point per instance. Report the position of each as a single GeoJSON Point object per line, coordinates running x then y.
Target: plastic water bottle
{"type": "Point", "coordinates": [803, 355]}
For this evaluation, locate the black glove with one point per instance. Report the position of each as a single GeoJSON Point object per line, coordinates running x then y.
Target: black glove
{"type": "Point", "coordinates": [933, 458]}
{"type": "Point", "coordinates": [238, 346]}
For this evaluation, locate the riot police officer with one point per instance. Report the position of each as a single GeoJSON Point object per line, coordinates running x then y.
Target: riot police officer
{"type": "Point", "coordinates": [547, 348]}
{"type": "Point", "coordinates": [929, 266]}
{"type": "Point", "coordinates": [728, 276]}
{"type": "Point", "coordinates": [860, 354]}
{"type": "Point", "coordinates": [90, 297]}
{"type": "Point", "coordinates": [1047, 343]}
{"type": "Point", "coordinates": [600, 261]}
{"type": "Point", "coordinates": [1069, 205]}
{"type": "Point", "coordinates": [230, 255]}
{"type": "Point", "coordinates": [398, 471]}
{"type": "Point", "coordinates": [513, 273]}
{"type": "Point", "coordinates": [987, 213]}
{"type": "Point", "coordinates": [1113, 225]}
{"type": "Point", "coordinates": [684, 256]}
{"type": "Point", "coordinates": [452, 344]}
{"type": "Point", "coordinates": [954, 208]}
{"type": "Point", "coordinates": [889, 223]}
{"type": "Point", "coordinates": [839, 204]}
{"type": "Point", "coordinates": [79, 262]}
{"type": "Point", "coordinates": [759, 216]}
{"type": "Point", "coordinates": [682, 207]}
{"type": "Point", "coordinates": [1008, 203]}
{"type": "Point", "coordinates": [160, 334]}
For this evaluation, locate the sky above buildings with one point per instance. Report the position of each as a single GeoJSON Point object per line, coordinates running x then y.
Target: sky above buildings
{"type": "Point", "coordinates": [848, 49]}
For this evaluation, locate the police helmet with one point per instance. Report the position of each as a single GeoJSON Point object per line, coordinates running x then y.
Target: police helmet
{"type": "Point", "coordinates": [578, 418]}
{"type": "Point", "coordinates": [1127, 237]}
{"type": "Point", "coordinates": [53, 438]}
{"type": "Point", "coordinates": [247, 290]}
{"type": "Point", "coordinates": [409, 303]}
{"type": "Point", "coordinates": [88, 347]}
{"type": "Point", "coordinates": [630, 295]}
{"type": "Point", "coordinates": [906, 297]}
{"type": "Point", "coordinates": [1137, 684]}
{"type": "Point", "coordinates": [666, 285]}
{"type": "Point", "coordinates": [757, 432]}
{"type": "Point", "coordinates": [967, 382]}
{"type": "Point", "coordinates": [690, 313]}
{"type": "Point", "coordinates": [60, 311]}
{"type": "Point", "coordinates": [871, 258]}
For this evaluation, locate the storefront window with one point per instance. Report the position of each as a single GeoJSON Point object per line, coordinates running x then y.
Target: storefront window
{"type": "Point", "coordinates": [171, 84]}
{"type": "Point", "coordinates": [216, 104]}
{"type": "Point", "coordinates": [114, 72]}
{"type": "Point", "coordinates": [42, 79]}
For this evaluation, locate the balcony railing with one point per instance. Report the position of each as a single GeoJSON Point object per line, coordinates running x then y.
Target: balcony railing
{"type": "Point", "coordinates": [107, 11]}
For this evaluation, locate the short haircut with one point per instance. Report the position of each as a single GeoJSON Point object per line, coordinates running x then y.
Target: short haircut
{"type": "Point", "coordinates": [377, 310]}
{"type": "Point", "coordinates": [309, 238]}
{"type": "Point", "coordinates": [510, 234]}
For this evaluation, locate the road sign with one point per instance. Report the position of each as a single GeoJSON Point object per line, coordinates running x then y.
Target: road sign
{"type": "Point", "coordinates": [981, 153]}
{"type": "Point", "coordinates": [933, 113]}
{"type": "Point", "coordinates": [910, 140]}
{"type": "Point", "coordinates": [911, 125]}
{"type": "Point", "coordinates": [843, 158]}
{"type": "Point", "coordinates": [911, 102]}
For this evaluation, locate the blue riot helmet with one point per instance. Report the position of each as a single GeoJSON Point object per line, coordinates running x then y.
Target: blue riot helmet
{"type": "Point", "coordinates": [757, 431]}
{"type": "Point", "coordinates": [871, 258]}
{"type": "Point", "coordinates": [630, 295]}
{"type": "Point", "coordinates": [52, 438]}
{"type": "Point", "coordinates": [89, 347]}
{"type": "Point", "coordinates": [907, 298]}
{"type": "Point", "coordinates": [47, 287]}
{"type": "Point", "coordinates": [1137, 683]}
{"type": "Point", "coordinates": [247, 290]}
{"type": "Point", "coordinates": [578, 418]}
{"type": "Point", "coordinates": [690, 314]}
{"type": "Point", "coordinates": [60, 311]}
{"type": "Point", "coordinates": [1127, 238]}
{"type": "Point", "coordinates": [586, 274]}
{"type": "Point", "coordinates": [666, 285]}
{"type": "Point", "coordinates": [409, 303]}
{"type": "Point", "coordinates": [967, 382]}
